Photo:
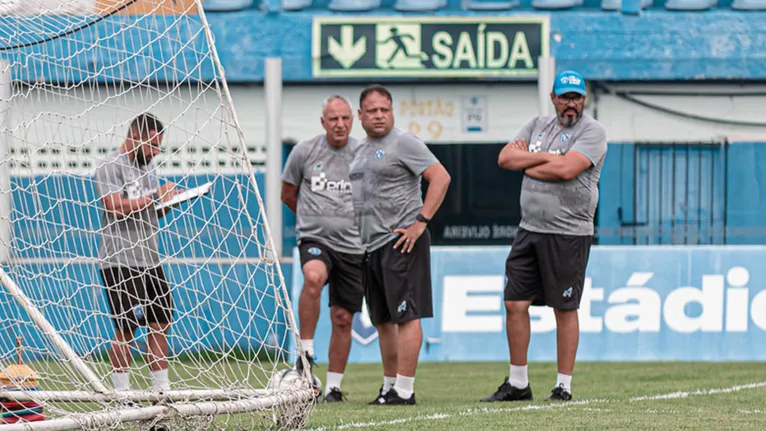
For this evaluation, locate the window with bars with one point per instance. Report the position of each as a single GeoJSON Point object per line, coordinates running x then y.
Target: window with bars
{"type": "Point", "coordinates": [678, 194]}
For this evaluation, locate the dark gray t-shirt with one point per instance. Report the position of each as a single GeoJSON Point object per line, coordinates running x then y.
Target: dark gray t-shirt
{"type": "Point", "coordinates": [563, 207]}
{"type": "Point", "coordinates": [132, 240]}
{"type": "Point", "coordinates": [324, 210]}
{"type": "Point", "coordinates": [386, 176]}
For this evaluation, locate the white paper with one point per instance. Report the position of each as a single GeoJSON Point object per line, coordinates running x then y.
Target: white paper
{"type": "Point", "coordinates": [186, 195]}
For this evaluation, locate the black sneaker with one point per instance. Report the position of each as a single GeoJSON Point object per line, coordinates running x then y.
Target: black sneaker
{"type": "Point", "coordinates": [299, 365]}
{"type": "Point", "coordinates": [559, 394]}
{"type": "Point", "coordinates": [393, 399]}
{"type": "Point", "coordinates": [379, 400]}
{"type": "Point", "coordinates": [506, 392]}
{"type": "Point", "coordinates": [334, 396]}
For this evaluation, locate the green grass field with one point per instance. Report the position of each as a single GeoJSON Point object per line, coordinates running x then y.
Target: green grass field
{"type": "Point", "coordinates": [607, 396]}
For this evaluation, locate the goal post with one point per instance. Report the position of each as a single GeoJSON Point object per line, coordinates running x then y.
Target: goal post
{"type": "Point", "coordinates": [73, 80]}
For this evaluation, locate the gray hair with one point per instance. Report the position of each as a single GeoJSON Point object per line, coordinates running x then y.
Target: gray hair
{"type": "Point", "coordinates": [336, 97]}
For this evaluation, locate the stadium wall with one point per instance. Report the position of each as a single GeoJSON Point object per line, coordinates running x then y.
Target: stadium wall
{"type": "Point", "coordinates": [437, 112]}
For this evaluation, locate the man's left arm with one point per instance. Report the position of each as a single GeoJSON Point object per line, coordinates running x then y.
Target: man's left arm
{"type": "Point", "coordinates": [438, 182]}
{"type": "Point", "coordinates": [416, 156]}
{"type": "Point", "coordinates": [587, 150]}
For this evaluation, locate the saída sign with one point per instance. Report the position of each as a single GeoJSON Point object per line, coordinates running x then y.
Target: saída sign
{"type": "Point", "coordinates": [423, 47]}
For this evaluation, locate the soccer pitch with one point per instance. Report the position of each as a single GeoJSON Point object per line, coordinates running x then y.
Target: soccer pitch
{"type": "Point", "coordinates": [607, 396]}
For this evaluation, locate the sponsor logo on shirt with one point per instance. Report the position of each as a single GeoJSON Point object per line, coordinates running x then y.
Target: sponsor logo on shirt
{"type": "Point", "coordinates": [320, 183]}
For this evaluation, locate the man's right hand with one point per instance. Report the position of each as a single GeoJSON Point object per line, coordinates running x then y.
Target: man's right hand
{"type": "Point", "coordinates": [519, 144]}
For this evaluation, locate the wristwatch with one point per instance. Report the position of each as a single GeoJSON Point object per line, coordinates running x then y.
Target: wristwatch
{"type": "Point", "coordinates": [422, 218]}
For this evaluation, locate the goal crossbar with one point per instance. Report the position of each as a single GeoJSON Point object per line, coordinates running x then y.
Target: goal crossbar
{"type": "Point", "coordinates": [105, 419]}
{"type": "Point", "coordinates": [138, 396]}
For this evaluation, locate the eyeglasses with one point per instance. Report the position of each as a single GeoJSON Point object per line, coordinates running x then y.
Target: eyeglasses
{"type": "Point", "coordinates": [571, 97]}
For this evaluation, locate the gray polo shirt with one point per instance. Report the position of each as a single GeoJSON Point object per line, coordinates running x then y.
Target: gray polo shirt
{"type": "Point", "coordinates": [563, 207]}
{"type": "Point", "coordinates": [324, 210]}
{"type": "Point", "coordinates": [385, 177]}
{"type": "Point", "coordinates": [132, 240]}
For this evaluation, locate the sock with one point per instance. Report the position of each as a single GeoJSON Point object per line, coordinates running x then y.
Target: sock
{"type": "Point", "coordinates": [333, 381]}
{"type": "Point", "coordinates": [121, 381]}
{"type": "Point", "coordinates": [160, 380]}
{"type": "Point", "coordinates": [405, 386]}
{"type": "Point", "coordinates": [564, 381]}
{"type": "Point", "coordinates": [388, 383]}
{"type": "Point", "coordinates": [518, 377]}
{"type": "Point", "coordinates": [308, 347]}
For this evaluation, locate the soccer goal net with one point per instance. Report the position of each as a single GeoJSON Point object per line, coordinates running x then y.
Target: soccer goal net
{"type": "Point", "coordinates": [89, 259]}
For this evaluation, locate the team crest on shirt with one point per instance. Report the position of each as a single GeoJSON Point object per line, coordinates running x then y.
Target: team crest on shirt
{"type": "Point", "coordinates": [565, 137]}
{"type": "Point", "coordinates": [318, 166]}
{"type": "Point", "coordinates": [314, 251]}
{"type": "Point", "coordinates": [379, 154]}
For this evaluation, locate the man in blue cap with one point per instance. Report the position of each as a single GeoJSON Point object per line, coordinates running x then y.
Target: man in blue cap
{"type": "Point", "coordinates": [561, 157]}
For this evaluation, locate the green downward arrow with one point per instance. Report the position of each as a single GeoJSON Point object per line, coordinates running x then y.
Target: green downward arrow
{"type": "Point", "coordinates": [347, 52]}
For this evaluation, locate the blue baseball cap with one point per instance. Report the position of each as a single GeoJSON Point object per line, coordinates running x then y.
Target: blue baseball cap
{"type": "Point", "coordinates": [569, 82]}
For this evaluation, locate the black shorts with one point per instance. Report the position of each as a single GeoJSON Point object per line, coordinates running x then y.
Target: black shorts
{"type": "Point", "coordinates": [398, 285]}
{"type": "Point", "coordinates": [137, 296]}
{"type": "Point", "coordinates": [547, 269]}
{"type": "Point", "coordinates": [344, 273]}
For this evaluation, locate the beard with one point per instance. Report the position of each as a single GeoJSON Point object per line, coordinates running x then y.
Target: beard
{"type": "Point", "coordinates": [140, 158]}
{"type": "Point", "coordinates": [567, 121]}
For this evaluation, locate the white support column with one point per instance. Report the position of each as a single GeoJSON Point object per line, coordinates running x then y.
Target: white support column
{"type": "Point", "coordinates": [273, 92]}
{"type": "Point", "coordinates": [5, 169]}
{"type": "Point", "coordinates": [546, 67]}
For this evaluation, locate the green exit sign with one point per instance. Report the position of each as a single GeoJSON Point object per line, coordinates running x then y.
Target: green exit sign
{"type": "Point", "coordinates": [422, 47]}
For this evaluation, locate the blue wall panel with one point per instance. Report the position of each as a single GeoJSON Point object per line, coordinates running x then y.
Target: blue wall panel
{"type": "Point", "coordinates": [705, 194]}
{"type": "Point", "coordinates": [195, 229]}
{"type": "Point", "coordinates": [214, 310]}
{"type": "Point", "coordinates": [746, 194]}
{"type": "Point", "coordinates": [643, 303]}
{"type": "Point", "coordinates": [56, 217]}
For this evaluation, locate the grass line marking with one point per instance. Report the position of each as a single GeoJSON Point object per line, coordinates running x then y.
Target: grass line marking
{"type": "Point", "coordinates": [673, 395]}
{"type": "Point", "coordinates": [468, 412]}
{"type": "Point", "coordinates": [538, 407]}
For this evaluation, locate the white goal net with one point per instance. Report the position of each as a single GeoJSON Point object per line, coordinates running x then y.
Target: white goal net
{"type": "Point", "coordinates": [84, 249]}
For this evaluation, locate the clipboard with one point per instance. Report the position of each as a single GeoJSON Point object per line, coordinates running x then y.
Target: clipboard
{"type": "Point", "coordinates": [184, 196]}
